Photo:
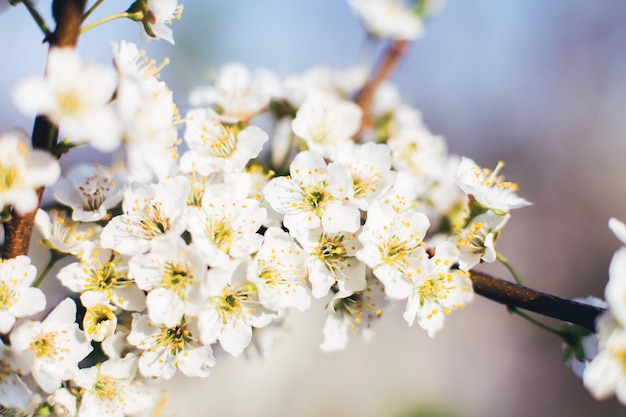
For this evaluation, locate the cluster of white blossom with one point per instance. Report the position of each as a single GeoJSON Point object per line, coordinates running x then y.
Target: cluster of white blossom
{"type": "Point", "coordinates": [174, 255]}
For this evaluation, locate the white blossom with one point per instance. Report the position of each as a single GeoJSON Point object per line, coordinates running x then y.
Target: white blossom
{"type": "Point", "coordinates": [64, 235]}
{"type": "Point", "coordinates": [279, 273]}
{"type": "Point", "coordinates": [215, 146]}
{"type": "Point", "coordinates": [166, 349]}
{"type": "Point", "coordinates": [51, 348]}
{"type": "Point", "coordinates": [17, 297]}
{"type": "Point", "coordinates": [149, 211]}
{"type": "Point", "coordinates": [237, 94]}
{"type": "Point", "coordinates": [391, 242]}
{"type": "Point", "coordinates": [231, 309]}
{"type": "Point", "coordinates": [110, 389]}
{"type": "Point", "coordinates": [324, 121]}
{"type": "Point", "coordinates": [89, 190]}
{"type": "Point", "coordinates": [74, 96]}
{"type": "Point", "coordinates": [488, 187]}
{"type": "Point", "coordinates": [314, 195]}
{"type": "Point", "coordinates": [170, 272]}
{"type": "Point", "coordinates": [436, 289]}
{"type": "Point", "coordinates": [225, 227]}
{"type": "Point", "coordinates": [352, 313]}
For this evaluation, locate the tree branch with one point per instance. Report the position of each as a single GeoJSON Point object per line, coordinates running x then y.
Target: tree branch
{"type": "Point", "coordinates": [18, 231]}
{"type": "Point", "coordinates": [514, 295]}
{"type": "Point", "coordinates": [393, 56]}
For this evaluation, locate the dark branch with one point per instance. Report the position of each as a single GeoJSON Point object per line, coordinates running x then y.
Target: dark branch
{"type": "Point", "coordinates": [18, 231]}
{"type": "Point", "coordinates": [513, 295]}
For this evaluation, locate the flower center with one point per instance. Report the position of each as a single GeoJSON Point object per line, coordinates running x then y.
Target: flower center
{"type": "Point", "coordinates": [152, 221]}
{"type": "Point", "coordinates": [7, 296]}
{"type": "Point", "coordinates": [69, 102]}
{"type": "Point", "coordinates": [175, 338]}
{"type": "Point", "coordinates": [8, 176]}
{"type": "Point", "coordinates": [177, 278]}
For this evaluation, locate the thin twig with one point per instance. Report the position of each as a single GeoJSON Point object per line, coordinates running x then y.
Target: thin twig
{"type": "Point", "coordinates": [392, 57]}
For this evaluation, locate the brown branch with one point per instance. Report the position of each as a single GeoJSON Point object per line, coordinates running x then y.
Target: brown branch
{"type": "Point", "coordinates": [393, 56]}
{"type": "Point", "coordinates": [18, 231]}
{"type": "Point", "coordinates": [513, 295]}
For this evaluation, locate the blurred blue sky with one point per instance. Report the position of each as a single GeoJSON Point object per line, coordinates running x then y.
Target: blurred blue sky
{"type": "Point", "coordinates": [539, 84]}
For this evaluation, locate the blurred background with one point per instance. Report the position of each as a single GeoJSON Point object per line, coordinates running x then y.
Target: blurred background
{"type": "Point", "coordinates": [540, 85]}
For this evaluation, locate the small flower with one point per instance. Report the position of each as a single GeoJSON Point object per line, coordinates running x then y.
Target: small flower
{"type": "Point", "coordinates": [64, 235]}
{"type": "Point", "coordinates": [215, 146]}
{"type": "Point", "coordinates": [353, 313]}
{"type": "Point", "coordinates": [106, 272]}
{"type": "Point", "coordinates": [149, 211]}
{"type": "Point", "coordinates": [22, 170]}
{"type": "Point", "coordinates": [488, 187]}
{"type": "Point", "coordinates": [51, 348]}
{"type": "Point", "coordinates": [477, 240]}
{"type": "Point", "coordinates": [237, 95]}
{"type": "Point", "coordinates": [90, 191]}
{"type": "Point", "coordinates": [436, 289]}
{"type": "Point", "coordinates": [391, 242]}
{"type": "Point", "coordinates": [110, 389]}
{"type": "Point", "coordinates": [332, 259]}
{"type": "Point", "coordinates": [370, 169]}
{"type": "Point", "coordinates": [100, 320]}
{"type": "Point", "coordinates": [314, 195]}
{"type": "Point", "coordinates": [171, 272]}
{"type": "Point", "coordinates": [225, 227]}
{"type": "Point", "coordinates": [17, 297]}
{"type": "Point", "coordinates": [75, 97]}
{"type": "Point", "coordinates": [324, 121]}
{"type": "Point", "coordinates": [156, 15]}
{"type": "Point", "coordinates": [231, 310]}
{"type": "Point", "coordinates": [166, 349]}
{"type": "Point", "coordinates": [388, 19]}
{"type": "Point", "coordinates": [278, 270]}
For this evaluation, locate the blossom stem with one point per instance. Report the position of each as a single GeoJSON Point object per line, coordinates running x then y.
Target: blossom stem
{"type": "Point", "coordinates": [107, 19]}
{"type": "Point", "coordinates": [92, 9]}
{"type": "Point", "coordinates": [537, 323]}
{"type": "Point", "coordinates": [18, 231]}
{"type": "Point", "coordinates": [38, 19]}
{"type": "Point", "coordinates": [393, 56]}
{"type": "Point", "coordinates": [510, 267]}
{"type": "Point", "coordinates": [515, 295]}
{"type": "Point", "coordinates": [54, 258]}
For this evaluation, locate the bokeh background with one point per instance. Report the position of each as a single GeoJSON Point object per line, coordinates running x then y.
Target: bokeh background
{"type": "Point", "coordinates": [540, 85]}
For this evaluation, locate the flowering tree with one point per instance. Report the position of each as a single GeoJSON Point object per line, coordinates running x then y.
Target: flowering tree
{"type": "Point", "coordinates": [187, 245]}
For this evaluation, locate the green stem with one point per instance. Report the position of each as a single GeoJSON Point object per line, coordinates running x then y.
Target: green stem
{"type": "Point", "coordinates": [38, 19]}
{"type": "Point", "coordinates": [116, 16]}
{"type": "Point", "coordinates": [92, 9]}
{"type": "Point", "coordinates": [510, 267]}
{"type": "Point", "coordinates": [54, 258]}
{"type": "Point", "coordinates": [536, 322]}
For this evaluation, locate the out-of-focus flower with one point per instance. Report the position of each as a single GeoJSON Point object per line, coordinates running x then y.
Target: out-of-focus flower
{"type": "Point", "coordinates": [388, 19]}
{"type": "Point", "coordinates": [22, 170]}
{"type": "Point", "coordinates": [76, 97]}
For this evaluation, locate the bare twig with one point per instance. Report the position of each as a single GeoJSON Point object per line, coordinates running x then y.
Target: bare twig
{"type": "Point", "coordinates": [392, 57]}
